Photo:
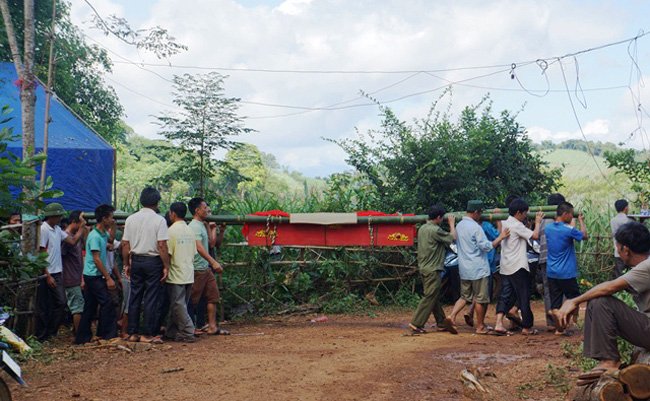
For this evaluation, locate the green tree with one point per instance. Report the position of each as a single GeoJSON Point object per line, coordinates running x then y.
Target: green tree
{"type": "Point", "coordinates": [207, 121]}
{"type": "Point", "coordinates": [251, 173]}
{"type": "Point", "coordinates": [635, 167]}
{"type": "Point", "coordinates": [437, 160]}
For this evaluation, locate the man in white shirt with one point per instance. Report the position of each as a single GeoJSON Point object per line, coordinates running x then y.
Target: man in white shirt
{"type": "Point", "coordinates": [622, 209]}
{"type": "Point", "coordinates": [50, 294]}
{"type": "Point", "coordinates": [146, 263]}
{"type": "Point", "coordinates": [515, 273]}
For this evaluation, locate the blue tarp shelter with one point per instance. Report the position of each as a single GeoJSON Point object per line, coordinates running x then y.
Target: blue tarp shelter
{"type": "Point", "coordinates": [80, 162]}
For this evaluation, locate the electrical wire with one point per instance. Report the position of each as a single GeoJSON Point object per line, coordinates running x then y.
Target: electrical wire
{"type": "Point", "coordinates": [575, 115]}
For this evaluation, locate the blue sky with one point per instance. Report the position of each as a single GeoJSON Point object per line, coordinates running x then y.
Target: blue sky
{"type": "Point", "coordinates": [393, 36]}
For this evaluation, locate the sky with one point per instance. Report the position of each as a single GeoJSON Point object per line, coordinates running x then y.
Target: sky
{"type": "Point", "coordinates": [324, 53]}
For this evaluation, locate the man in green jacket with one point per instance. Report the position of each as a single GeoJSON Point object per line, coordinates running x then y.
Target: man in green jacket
{"type": "Point", "coordinates": [432, 241]}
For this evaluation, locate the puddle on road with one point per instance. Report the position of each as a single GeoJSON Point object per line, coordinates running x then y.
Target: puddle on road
{"type": "Point", "coordinates": [481, 358]}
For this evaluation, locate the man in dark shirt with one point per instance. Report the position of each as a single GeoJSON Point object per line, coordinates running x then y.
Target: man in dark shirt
{"type": "Point", "coordinates": [72, 275]}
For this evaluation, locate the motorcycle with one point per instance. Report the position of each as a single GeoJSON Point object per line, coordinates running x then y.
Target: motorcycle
{"type": "Point", "coordinates": [451, 278]}
{"type": "Point", "coordinates": [7, 363]}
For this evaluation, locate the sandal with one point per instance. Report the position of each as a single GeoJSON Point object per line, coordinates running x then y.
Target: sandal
{"type": "Point", "coordinates": [219, 332]}
{"type": "Point", "coordinates": [514, 319]}
{"type": "Point", "coordinates": [417, 330]}
{"type": "Point", "coordinates": [530, 332]}
{"type": "Point", "coordinates": [133, 338]}
{"type": "Point", "coordinates": [151, 340]}
{"type": "Point", "coordinates": [505, 333]}
{"type": "Point", "coordinates": [468, 320]}
{"type": "Point", "coordinates": [448, 325]}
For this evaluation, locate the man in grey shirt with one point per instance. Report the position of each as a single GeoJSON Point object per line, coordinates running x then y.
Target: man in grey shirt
{"type": "Point", "coordinates": [607, 317]}
{"type": "Point", "coordinates": [622, 208]}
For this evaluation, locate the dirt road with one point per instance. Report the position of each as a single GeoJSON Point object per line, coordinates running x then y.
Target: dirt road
{"type": "Point", "coordinates": [346, 358]}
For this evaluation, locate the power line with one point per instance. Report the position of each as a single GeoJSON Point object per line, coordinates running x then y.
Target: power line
{"type": "Point", "coordinates": [575, 115]}
{"type": "Point", "coordinates": [411, 71]}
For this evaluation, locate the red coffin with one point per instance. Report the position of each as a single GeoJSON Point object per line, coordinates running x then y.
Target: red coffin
{"type": "Point", "coordinates": [331, 235]}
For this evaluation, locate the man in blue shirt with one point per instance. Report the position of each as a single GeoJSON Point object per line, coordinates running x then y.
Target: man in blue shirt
{"type": "Point", "coordinates": [98, 281]}
{"type": "Point", "coordinates": [561, 262]}
{"type": "Point", "coordinates": [473, 265]}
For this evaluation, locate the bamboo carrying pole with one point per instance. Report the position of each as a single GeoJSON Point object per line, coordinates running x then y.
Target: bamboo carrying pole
{"type": "Point", "coordinates": [422, 218]}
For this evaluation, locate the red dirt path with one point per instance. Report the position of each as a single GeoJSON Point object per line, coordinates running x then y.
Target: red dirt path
{"type": "Point", "coordinates": [346, 358]}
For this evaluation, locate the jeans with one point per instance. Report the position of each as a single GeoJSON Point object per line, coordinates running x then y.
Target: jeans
{"type": "Point", "coordinates": [180, 325]}
{"type": "Point", "coordinates": [146, 272]}
{"type": "Point", "coordinates": [516, 290]}
{"type": "Point", "coordinates": [50, 307]}
{"type": "Point", "coordinates": [96, 294]}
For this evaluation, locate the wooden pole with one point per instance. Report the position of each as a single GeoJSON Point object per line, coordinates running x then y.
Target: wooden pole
{"type": "Point", "coordinates": [48, 95]}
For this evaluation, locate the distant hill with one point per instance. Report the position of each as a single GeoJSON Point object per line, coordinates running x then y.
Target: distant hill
{"type": "Point", "coordinates": [581, 179]}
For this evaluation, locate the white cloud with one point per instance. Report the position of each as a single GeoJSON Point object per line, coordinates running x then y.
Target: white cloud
{"type": "Point", "coordinates": [594, 130]}
{"type": "Point", "coordinates": [374, 35]}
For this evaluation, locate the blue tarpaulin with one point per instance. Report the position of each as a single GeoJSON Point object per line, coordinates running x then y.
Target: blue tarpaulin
{"type": "Point", "coordinates": [79, 161]}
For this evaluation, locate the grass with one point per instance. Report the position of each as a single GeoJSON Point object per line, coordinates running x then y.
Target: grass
{"type": "Point", "coordinates": [581, 179]}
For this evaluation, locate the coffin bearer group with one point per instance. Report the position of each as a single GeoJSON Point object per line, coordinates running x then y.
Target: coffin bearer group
{"type": "Point", "coordinates": [607, 318]}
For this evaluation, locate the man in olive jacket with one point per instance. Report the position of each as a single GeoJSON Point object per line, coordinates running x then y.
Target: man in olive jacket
{"type": "Point", "coordinates": [432, 241]}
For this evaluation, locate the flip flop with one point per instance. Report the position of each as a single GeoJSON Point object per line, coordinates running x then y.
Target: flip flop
{"type": "Point", "coordinates": [219, 332]}
{"type": "Point", "coordinates": [468, 320]}
{"type": "Point", "coordinates": [514, 319]}
{"type": "Point", "coordinates": [133, 338]}
{"type": "Point", "coordinates": [417, 330]}
{"type": "Point", "coordinates": [449, 326]}
{"type": "Point", "coordinates": [483, 333]}
{"type": "Point", "coordinates": [151, 340]}
{"type": "Point", "coordinates": [502, 333]}
{"type": "Point", "coordinates": [532, 332]}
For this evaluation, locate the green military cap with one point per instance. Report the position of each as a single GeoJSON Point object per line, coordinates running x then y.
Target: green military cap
{"type": "Point", "coordinates": [53, 209]}
{"type": "Point", "coordinates": [474, 205]}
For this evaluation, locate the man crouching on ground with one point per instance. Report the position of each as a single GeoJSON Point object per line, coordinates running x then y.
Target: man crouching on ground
{"type": "Point", "coordinates": [608, 318]}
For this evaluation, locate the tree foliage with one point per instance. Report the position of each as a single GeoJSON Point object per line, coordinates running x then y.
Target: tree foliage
{"type": "Point", "coordinates": [207, 121]}
{"type": "Point", "coordinates": [16, 173]}
{"type": "Point", "coordinates": [79, 68]}
{"type": "Point", "coordinates": [636, 168]}
{"type": "Point", "coordinates": [437, 160]}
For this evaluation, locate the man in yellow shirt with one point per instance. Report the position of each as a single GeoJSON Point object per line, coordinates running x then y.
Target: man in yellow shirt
{"type": "Point", "coordinates": [182, 248]}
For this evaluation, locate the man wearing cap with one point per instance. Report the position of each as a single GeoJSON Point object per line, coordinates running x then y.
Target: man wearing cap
{"type": "Point", "coordinates": [473, 266]}
{"type": "Point", "coordinates": [146, 263]}
{"type": "Point", "coordinates": [50, 294]}
{"type": "Point", "coordinates": [432, 243]}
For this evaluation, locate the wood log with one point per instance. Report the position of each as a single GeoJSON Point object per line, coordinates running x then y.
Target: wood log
{"type": "Point", "coordinates": [637, 379]}
{"type": "Point", "coordinates": [608, 388]}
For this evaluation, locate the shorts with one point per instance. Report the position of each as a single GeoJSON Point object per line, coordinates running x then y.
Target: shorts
{"type": "Point", "coordinates": [204, 285]}
{"type": "Point", "coordinates": [75, 299]}
{"type": "Point", "coordinates": [562, 288]}
{"type": "Point", "coordinates": [475, 290]}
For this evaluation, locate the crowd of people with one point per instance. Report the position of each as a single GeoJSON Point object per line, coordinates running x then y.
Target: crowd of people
{"type": "Point", "coordinates": [607, 318]}
{"type": "Point", "coordinates": [155, 279]}
{"type": "Point", "coordinates": [159, 271]}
